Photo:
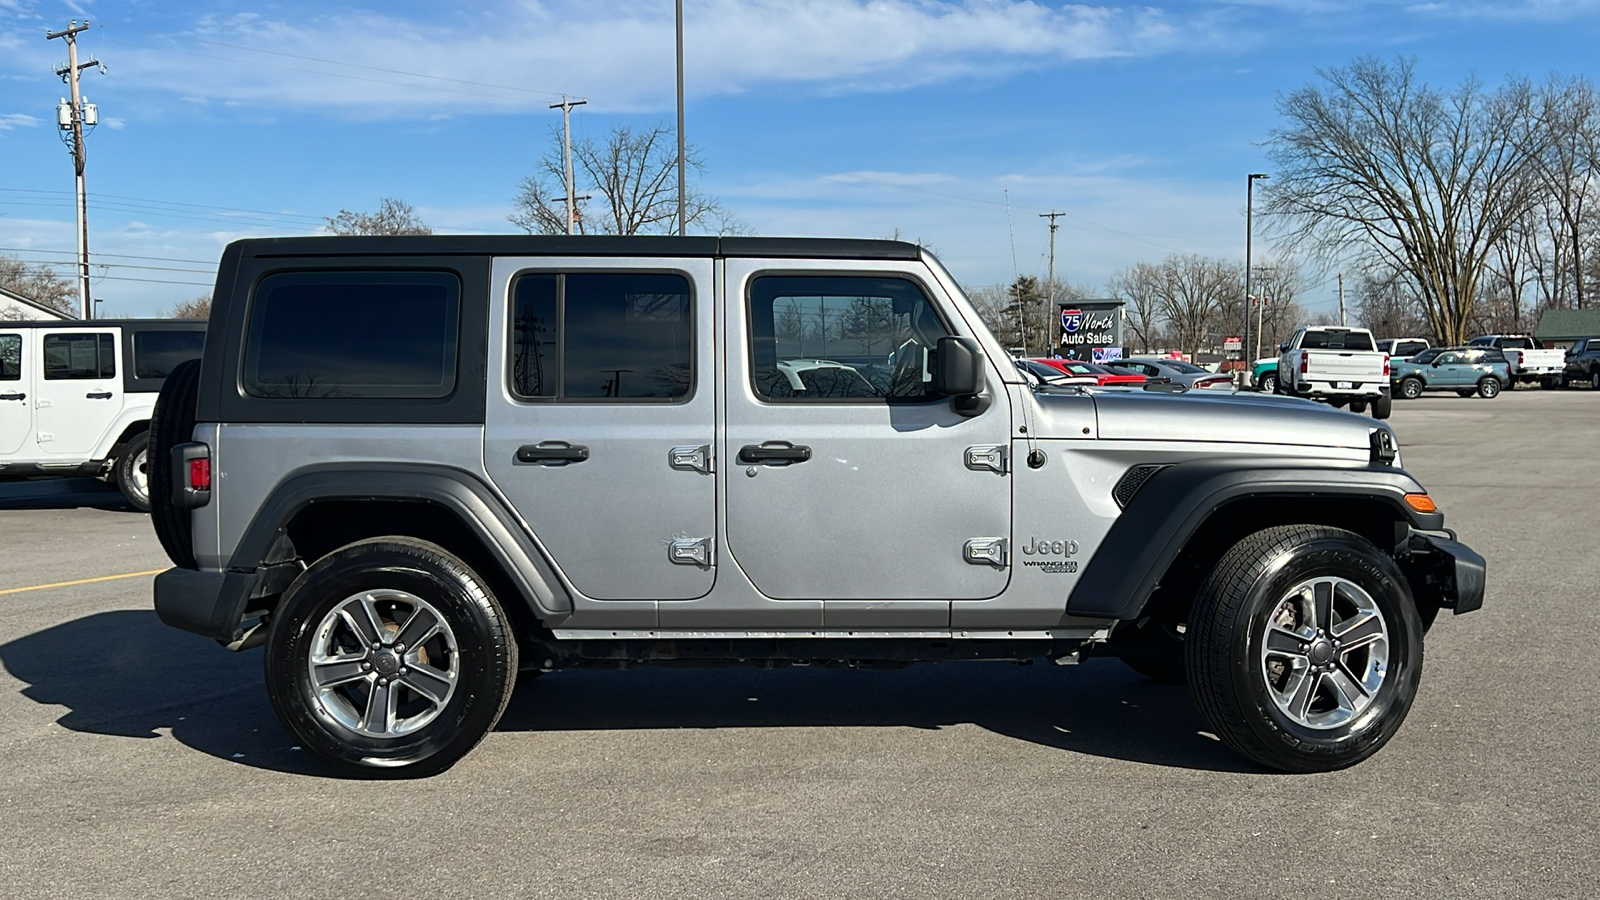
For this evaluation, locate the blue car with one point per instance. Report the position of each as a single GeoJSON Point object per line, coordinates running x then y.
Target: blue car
{"type": "Point", "coordinates": [1465, 370]}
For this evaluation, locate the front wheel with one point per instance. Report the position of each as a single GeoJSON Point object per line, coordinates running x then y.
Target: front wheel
{"type": "Point", "coordinates": [133, 471]}
{"type": "Point", "coordinates": [1489, 388]}
{"type": "Point", "coordinates": [1594, 380]}
{"type": "Point", "coordinates": [1410, 388]}
{"type": "Point", "coordinates": [1304, 648]}
{"type": "Point", "coordinates": [389, 658]}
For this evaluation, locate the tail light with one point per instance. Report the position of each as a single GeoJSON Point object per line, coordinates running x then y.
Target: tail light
{"type": "Point", "coordinates": [1386, 365]}
{"type": "Point", "coordinates": [191, 475]}
{"type": "Point", "coordinates": [1303, 358]}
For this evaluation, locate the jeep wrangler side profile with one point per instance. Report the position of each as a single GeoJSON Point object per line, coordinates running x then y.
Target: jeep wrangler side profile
{"type": "Point", "coordinates": [411, 467]}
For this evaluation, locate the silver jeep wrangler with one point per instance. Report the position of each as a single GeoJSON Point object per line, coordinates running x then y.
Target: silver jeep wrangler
{"type": "Point", "coordinates": [414, 467]}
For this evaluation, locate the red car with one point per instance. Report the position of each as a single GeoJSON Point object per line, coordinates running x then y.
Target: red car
{"type": "Point", "coordinates": [1101, 374]}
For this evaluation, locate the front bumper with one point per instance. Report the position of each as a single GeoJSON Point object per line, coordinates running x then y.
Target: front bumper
{"type": "Point", "coordinates": [1443, 569]}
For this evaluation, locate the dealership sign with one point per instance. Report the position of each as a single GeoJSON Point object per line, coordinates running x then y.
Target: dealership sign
{"type": "Point", "coordinates": [1092, 324]}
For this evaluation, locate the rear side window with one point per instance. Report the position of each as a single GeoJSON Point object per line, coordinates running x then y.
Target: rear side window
{"type": "Point", "coordinates": [1407, 348]}
{"type": "Point", "coordinates": [10, 357]}
{"type": "Point", "coordinates": [1336, 340]}
{"type": "Point", "coordinates": [77, 356]}
{"type": "Point", "coordinates": [598, 337]}
{"type": "Point", "coordinates": [157, 353]}
{"type": "Point", "coordinates": [353, 335]}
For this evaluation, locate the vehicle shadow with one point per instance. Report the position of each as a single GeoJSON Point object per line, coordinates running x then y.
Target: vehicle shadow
{"type": "Point", "coordinates": [124, 673]}
{"type": "Point", "coordinates": [62, 493]}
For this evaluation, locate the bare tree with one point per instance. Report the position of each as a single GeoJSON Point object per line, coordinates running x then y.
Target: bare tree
{"type": "Point", "coordinates": [1567, 157]}
{"type": "Point", "coordinates": [1140, 287]}
{"type": "Point", "coordinates": [38, 283]}
{"type": "Point", "coordinates": [392, 217]}
{"type": "Point", "coordinates": [1277, 289]}
{"type": "Point", "coordinates": [1374, 163]}
{"type": "Point", "coordinates": [632, 177]}
{"type": "Point", "coordinates": [1192, 293]}
{"type": "Point", "coordinates": [1385, 305]}
{"type": "Point", "coordinates": [198, 308]}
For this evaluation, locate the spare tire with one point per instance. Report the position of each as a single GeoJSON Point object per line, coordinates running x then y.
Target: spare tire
{"type": "Point", "coordinates": [172, 423]}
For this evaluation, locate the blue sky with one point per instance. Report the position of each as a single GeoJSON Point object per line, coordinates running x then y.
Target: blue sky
{"type": "Point", "coordinates": [815, 117]}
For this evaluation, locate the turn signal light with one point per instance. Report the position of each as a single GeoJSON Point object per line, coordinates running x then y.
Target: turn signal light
{"type": "Point", "coordinates": [1421, 503]}
{"type": "Point", "coordinates": [200, 474]}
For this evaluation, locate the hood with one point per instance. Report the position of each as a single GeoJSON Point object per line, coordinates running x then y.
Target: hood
{"type": "Point", "coordinates": [1211, 416]}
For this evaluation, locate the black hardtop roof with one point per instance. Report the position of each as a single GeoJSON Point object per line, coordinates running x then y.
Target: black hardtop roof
{"type": "Point", "coordinates": [574, 245]}
{"type": "Point", "coordinates": [166, 324]}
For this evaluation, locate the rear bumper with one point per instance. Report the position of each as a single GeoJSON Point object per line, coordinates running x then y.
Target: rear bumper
{"type": "Point", "coordinates": [214, 604]}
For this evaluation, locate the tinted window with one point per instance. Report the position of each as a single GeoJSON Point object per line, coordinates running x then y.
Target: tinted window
{"type": "Point", "coordinates": [1426, 355]}
{"type": "Point", "coordinates": [353, 334]}
{"type": "Point", "coordinates": [157, 353]}
{"type": "Point", "coordinates": [842, 338]}
{"type": "Point", "coordinates": [598, 336]}
{"type": "Point", "coordinates": [1185, 368]}
{"type": "Point", "coordinates": [1336, 340]}
{"type": "Point", "coordinates": [83, 355]}
{"type": "Point", "coordinates": [10, 357]}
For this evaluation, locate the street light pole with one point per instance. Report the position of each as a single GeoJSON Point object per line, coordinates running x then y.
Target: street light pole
{"type": "Point", "coordinates": [1249, 212]}
{"type": "Point", "coordinates": [683, 199]}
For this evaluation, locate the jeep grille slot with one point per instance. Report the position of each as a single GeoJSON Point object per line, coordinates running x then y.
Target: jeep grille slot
{"type": "Point", "coordinates": [1132, 480]}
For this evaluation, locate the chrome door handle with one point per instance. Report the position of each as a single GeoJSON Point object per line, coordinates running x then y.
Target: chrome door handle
{"type": "Point", "coordinates": [98, 395]}
{"type": "Point", "coordinates": [13, 396]}
{"type": "Point", "coordinates": [774, 453]}
{"type": "Point", "coordinates": [552, 453]}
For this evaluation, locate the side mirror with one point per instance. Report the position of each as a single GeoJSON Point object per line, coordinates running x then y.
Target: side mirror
{"type": "Point", "coordinates": [1436, 362]}
{"type": "Point", "coordinates": [1283, 347]}
{"type": "Point", "coordinates": [959, 375]}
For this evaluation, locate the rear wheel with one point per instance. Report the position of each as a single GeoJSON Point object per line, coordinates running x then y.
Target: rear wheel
{"type": "Point", "coordinates": [1549, 384]}
{"type": "Point", "coordinates": [1382, 406]}
{"type": "Point", "coordinates": [1304, 649]}
{"type": "Point", "coordinates": [1358, 406]}
{"type": "Point", "coordinates": [1594, 380]}
{"type": "Point", "coordinates": [389, 658]}
{"type": "Point", "coordinates": [133, 471]}
{"type": "Point", "coordinates": [1489, 388]}
{"type": "Point", "coordinates": [1269, 383]}
{"type": "Point", "coordinates": [1410, 388]}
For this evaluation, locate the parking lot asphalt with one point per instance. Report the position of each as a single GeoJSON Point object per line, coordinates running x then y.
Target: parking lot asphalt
{"type": "Point", "coordinates": [144, 762]}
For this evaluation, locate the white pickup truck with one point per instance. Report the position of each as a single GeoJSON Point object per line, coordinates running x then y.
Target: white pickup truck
{"type": "Point", "coordinates": [76, 397]}
{"type": "Point", "coordinates": [1528, 359]}
{"type": "Point", "coordinates": [1339, 366]}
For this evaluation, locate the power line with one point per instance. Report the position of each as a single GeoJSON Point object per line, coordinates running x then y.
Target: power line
{"type": "Point", "coordinates": [203, 262]}
{"type": "Point", "coordinates": [180, 203]}
{"type": "Point", "coordinates": [50, 262]}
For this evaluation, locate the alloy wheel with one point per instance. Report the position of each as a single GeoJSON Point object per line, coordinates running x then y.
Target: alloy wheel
{"type": "Point", "coordinates": [383, 663]}
{"type": "Point", "coordinates": [1324, 652]}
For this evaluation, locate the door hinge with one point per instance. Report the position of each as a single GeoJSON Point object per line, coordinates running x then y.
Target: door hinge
{"type": "Point", "coordinates": [993, 457]}
{"type": "Point", "coordinates": [691, 552]}
{"type": "Point", "coordinates": [692, 459]}
{"type": "Point", "coordinates": [990, 551]}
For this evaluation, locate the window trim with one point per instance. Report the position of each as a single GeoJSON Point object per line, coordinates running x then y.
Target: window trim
{"type": "Point", "coordinates": [248, 336]}
{"type": "Point", "coordinates": [750, 345]}
{"type": "Point", "coordinates": [561, 274]}
{"type": "Point", "coordinates": [130, 382]}
{"type": "Point", "coordinates": [106, 337]}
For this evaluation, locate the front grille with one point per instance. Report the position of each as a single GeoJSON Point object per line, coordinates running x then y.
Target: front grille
{"type": "Point", "coordinates": [1132, 480]}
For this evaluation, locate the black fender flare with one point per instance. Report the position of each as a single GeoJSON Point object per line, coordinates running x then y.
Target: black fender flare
{"type": "Point", "coordinates": [1172, 505]}
{"type": "Point", "coordinates": [460, 492]}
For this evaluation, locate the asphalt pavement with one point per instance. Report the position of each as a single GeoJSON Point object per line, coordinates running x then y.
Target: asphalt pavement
{"type": "Point", "coordinates": [144, 762]}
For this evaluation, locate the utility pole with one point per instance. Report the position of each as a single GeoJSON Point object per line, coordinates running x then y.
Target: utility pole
{"type": "Point", "coordinates": [683, 197]}
{"type": "Point", "coordinates": [1249, 234]}
{"type": "Point", "coordinates": [74, 123]}
{"type": "Point", "coordinates": [566, 130]}
{"type": "Point", "coordinates": [1342, 322]}
{"type": "Point", "coordinates": [1050, 289]}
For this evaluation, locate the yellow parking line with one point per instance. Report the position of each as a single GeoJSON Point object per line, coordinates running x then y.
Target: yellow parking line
{"type": "Point", "coordinates": [40, 587]}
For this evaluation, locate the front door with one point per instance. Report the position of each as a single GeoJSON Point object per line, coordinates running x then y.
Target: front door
{"type": "Point", "coordinates": [16, 384]}
{"type": "Point", "coordinates": [77, 391]}
{"type": "Point", "coordinates": [849, 479]}
{"type": "Point", "coordinates": [601, 426]}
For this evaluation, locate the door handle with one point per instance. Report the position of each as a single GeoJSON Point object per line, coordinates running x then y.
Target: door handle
{"type": "Point", "coordinates": [774, 453]}
{"type": "Point", "coordinates": [98, 395]}
{"type": "Point", "coordinates": [552, 453]}
{"type": "Point", "coordinates": [13, 396]}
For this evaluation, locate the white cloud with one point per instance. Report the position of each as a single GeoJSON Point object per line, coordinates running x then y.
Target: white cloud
{"type": "Point", "coordinates": [9, 121]}
{"type": "Point", "coordinates": [619, 53]}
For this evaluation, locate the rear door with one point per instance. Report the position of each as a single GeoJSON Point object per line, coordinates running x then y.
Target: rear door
{"type": "Point", "coordinates": [16, 384]}
{"type": "Point", "coordinates": [77, 389]}
{"type": "Point", "coordinates": [600, 427]}
{"type": "Point", "coordinates": [850, 480]}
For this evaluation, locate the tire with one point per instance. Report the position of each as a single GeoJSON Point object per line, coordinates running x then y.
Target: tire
{"type": "Point", "coordinates": [1269, 383]}
{"type": "Point", "coordinates": [1511, 383]}
{"type": "Point", "coordinates": [1410, 388]}
{"type": "Point", "coordinates": [1358, 406]}
{"type": "Point", "coordinates": [1466, 393]}
{"type": "Point", "coordinates": [1594, 380]}
{"type": "Point", "coordinates": [1383, 406]}
{"type": "Point", "coordinates": [172, 423]}
{"type": "Point", "coordinates": [1489, 388]}
{"type": "Point", "coordinates": [405, 584]}
{"type": "Point", "coordinates": [1549, 384]}
{"type": "Point", "coordinates": [132, 471]}
{"type": "Point", "coordinates": [1242, 666]}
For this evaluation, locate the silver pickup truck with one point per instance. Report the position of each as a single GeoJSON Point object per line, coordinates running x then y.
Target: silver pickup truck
{"type": "Point", "coordinates": [1339, 366]}
{"type": "Point", "coordinates": [411, 468]}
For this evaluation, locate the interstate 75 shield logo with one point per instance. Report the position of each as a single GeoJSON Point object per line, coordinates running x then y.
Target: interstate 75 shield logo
{"type": "Point", "coordinates": [1071, 320]}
